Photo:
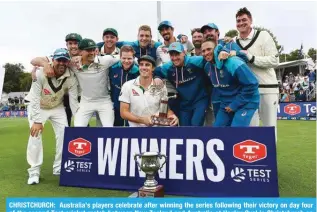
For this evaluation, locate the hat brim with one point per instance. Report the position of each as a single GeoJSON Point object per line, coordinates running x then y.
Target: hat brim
{"type": "Point", "coordinates": [110, 32]}
{"type": "Point", "coordinates": [61, 57]}
{"type": "Point", "coordinates": [90, 47]}
{"type": "Point", "coordinates": [148, 60]}
{"type": "Point", "coordinates": [174, 50]}
{"type": "Point", "coordinates": [163, 25]}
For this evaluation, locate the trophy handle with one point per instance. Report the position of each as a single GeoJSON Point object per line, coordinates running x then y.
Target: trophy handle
{"type": "Point", "coordinates": [137, 162]}
{"type": "Point", "coordinates": [164, 156]}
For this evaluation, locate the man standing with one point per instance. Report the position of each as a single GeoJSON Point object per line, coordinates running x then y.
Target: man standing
{"type": "Point", "coordinates": [110, 39]}
{"type": "Point", "coordinates": [45, 103]}
{"type": "Point", "coordinates": [72, 41]}
{"type": "Point", "coordinates": [263, 57]}
{"type": "Point", "coordinates": [187, 75]}
{"type": "Point", "coordinates": [119, 73]}
{"type": "Point", "coordinates": [236, 85]}
{"type": "Point", "coordinates": [138, 102]}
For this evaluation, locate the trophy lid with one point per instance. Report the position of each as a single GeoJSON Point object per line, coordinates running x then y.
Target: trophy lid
{"type": "Point", "coordinates": [150, 154]}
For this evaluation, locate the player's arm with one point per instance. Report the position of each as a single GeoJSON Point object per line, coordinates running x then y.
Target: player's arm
{"type": "Point", "coordinates": [40, 61]}
{"type": "Point", "coordinates": [73, 94]}
{"type": "Point", "coordinates": [271, 58]}
{"type": "Point", "coordinates": [108, 60]}
{"type": "Point", "coordinates": [235, 50]}
{"type": "Point", "coordinates": [249, 86]}
{"type": "Point", "coordinates": [158, 56]}
{"type": "Point", "coordinates": [35, 103]}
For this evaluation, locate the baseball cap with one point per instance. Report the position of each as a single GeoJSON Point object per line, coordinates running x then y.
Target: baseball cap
{"type": "Point", "coordinates": [164, 23]}
{"type": "Point", "coordinates": [87, 43]}
{"type": "Point", "coordinates": [176, 46]}
{"type": "Point", "coordinates": [147, 58]}
{"type": "Point", "coordinates": [73, 36]}
{"type": "Point", "coordinates": [209, 25]}
{"type": "Point", "coordinates": [111, 30]}
{"type": "Point", "coordinates": [61, 53]}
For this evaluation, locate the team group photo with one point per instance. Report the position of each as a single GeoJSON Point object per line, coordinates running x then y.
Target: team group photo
{"type": "Point", "coordinates": [201, 104]}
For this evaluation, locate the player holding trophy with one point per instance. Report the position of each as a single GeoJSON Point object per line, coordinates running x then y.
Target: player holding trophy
{"type": "Point", "coordinates": [143, 103]}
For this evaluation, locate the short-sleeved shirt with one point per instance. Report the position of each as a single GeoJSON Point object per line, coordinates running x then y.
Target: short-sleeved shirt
{"type": "Point", "coordinates": [142, 102]}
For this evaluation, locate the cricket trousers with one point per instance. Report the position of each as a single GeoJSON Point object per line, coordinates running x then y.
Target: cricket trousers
{"type": "Point", "coordinates": [240, 118]}
{"type": "Point", "coordinates": [104, 108]}
{"type": "Point", "coordinates": [267, 112]}
{"type": "Point", "coordinates": [57, 116]}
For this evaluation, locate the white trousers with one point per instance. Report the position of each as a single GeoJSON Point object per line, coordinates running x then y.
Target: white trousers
{"type": "Point", "coordinates": [267, 112]}
{"type": "Point", "coordinates": [86, 110]}
{"type": "Point", "coordinates": [58, 118]}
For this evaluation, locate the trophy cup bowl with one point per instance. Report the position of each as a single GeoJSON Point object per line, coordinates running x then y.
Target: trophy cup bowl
{"type": "Point", "coordinates": [150, 164]}
{"type": "Point", "coordinates": [162, 119]}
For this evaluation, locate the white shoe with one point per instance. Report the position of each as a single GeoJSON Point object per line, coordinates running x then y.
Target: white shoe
{"type": "Point", "coordinates": [57, 172]}
{"type": "Point", "coordinates": [34, 179]}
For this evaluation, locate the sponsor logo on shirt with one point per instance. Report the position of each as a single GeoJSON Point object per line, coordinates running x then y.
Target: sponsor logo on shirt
{"type": "Point", "coordinates": [46, 92]}
{"type": "Point", "coordinates": [135, 93]}
{"type": "Point", "coordinates": [115, 76]}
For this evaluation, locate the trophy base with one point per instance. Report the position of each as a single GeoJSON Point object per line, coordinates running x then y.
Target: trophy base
{"type": "Point", "coordinates": [146, 193]}
{"type": "Point", "coordinates": [161, 121]}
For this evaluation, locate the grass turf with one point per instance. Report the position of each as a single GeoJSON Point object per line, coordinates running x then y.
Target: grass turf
{"type": "Point", "coordinates": [296, 163]}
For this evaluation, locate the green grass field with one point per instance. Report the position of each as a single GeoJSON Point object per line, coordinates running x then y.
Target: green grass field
{"type": "Point", "coordinates": [296, 163]}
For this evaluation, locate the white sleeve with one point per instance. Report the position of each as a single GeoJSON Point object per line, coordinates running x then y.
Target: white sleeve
{"type": "Point", "coordinates": [108, 60]}
{"type": "Point", "coordinates": [36, 89]}
{"type": "Point", "coordinates": [73, 94]}
{"type": "Point", "coordinates": [271, 57]}
{"type": "Point", "coordinates": [125, 93]}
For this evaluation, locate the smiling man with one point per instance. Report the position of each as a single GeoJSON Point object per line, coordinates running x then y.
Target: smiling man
{"type": "Point", "coordinates": [120, 73]}
{"type": "Point", "coordinates": [235, 84]}
{"type": "Point", "coordinates": [46, 103]}
{"type": "Point", "coordinates": [187, 75]}
{"type": "Point", "coordinates": [110, 39]}
{"type": "Point", "coordinates": [138, 102]}
{"type": "Point", "coordinates": [263, 57]}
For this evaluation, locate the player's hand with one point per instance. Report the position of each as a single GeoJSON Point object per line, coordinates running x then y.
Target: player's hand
{"type": "Point", "coordinates": [228, 109]}
{"type": "Point", "coordinates": [36, 129]}
{"type": "Point", "coordinates": [147, 121]}
{"type": "Point", "coordinates": [75, 62]}
{"type": "Point", "coordinates": [152, 43]}
{"type": "Point", "coordinates": [33, 73]}
{"type": "Point", "coordinates": [232, 53]}
{"type": "Point", "coordinates": [223, 55]}
{"type": "Point", "coordinates": [184, 39]}
{"type": "Point", "coordinates": [227, 39]}
{"type": "Point", "coordinates": [158, 82]}
{"type": "Point", "coordinates": [244, 51]}
{"type": "Point", "coordinates": [48, 70]}
{"type": "Point", "coordinates": [174, 121]}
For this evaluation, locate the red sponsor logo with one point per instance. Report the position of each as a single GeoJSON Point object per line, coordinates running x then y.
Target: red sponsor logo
{"type": "Point", "coordinates": [135, 93]}
{"type": "Point", "coordinates": [46, 92]}
{"type": "Point", "coordinates": [21, 113]}
{"type": "Point", "coordinates": [249, 151]}
{"type": "Point", "coordinates": [79, 147]}
{"type": "Point", "coordinates": [292, 109]}
{"type": "Point", "coordinates": [7, 114]}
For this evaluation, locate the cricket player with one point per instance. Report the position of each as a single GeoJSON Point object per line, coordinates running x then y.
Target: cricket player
{"type": "Point", "coordinates": [108, 46]}
{"type": "Point", "coordinates": [138, 99]}
{"type": "Point", "coordinates": [92, 72]}
{"type": "Point", "coordinates": [236, 85]}
{"type": "Point", "coordinates": [46, 103]}
{"type": "Point", "coordinates": [263, 57]}
{"type": "Point", "coordinates": [120, 73]}
{"type": "Point", "coordinates": [188, 76]}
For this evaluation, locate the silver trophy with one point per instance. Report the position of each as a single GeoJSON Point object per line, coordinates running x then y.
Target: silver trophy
{"type": "Point", "coordinates": [162, 119]}
{"type": "Point", "coordinates": [150, 164]}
